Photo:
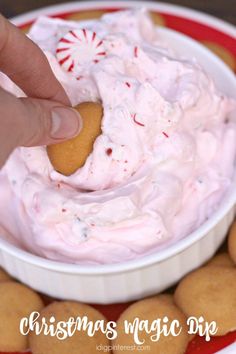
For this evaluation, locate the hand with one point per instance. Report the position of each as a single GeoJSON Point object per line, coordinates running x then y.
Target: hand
{"type": "Point", "coordinates": [45, 117]}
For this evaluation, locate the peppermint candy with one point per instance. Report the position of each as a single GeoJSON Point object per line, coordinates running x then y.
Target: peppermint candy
{"type": "Point", "coordinates": [79, 47]}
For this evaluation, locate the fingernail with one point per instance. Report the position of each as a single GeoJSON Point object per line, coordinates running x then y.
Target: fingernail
{"type": "Point", "coordinates": [66, 123]}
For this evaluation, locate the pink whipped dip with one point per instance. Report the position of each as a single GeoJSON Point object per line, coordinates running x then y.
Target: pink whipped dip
{"type": "Point", "coordinates": [162, 164]}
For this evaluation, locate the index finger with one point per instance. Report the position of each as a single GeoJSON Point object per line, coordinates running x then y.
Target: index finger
{"type": "Point", "coordinates": [25, 64]}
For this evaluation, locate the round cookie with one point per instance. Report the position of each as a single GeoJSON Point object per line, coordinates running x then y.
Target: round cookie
{"type": "Point", "coordinates": [86, 15]}
{"type": "Point", "coordinates": [210, 292]}
{"type": "Point", "coordinates": [79, 342]}
{"type": "Point", "coordinates": [16, 301]}
{"type": "Point", "coordinates": [220, 260]}
{"type": "Point", "coordinates": [232, 242]}
{"type": "Point", "coordinates": [67, 157]}
{"type": "Point", "coordinates": [152, 309]}
{"type": "Point", "coordinates": [4, 276]}
{"type": "Point", "coordinates": [157, 19]}
{"type": "Point", "coordinates": [222, 52]}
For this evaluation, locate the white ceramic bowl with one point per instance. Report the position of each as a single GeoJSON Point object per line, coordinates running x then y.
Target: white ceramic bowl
{"type": "Point", "coordinates": [135, 279]}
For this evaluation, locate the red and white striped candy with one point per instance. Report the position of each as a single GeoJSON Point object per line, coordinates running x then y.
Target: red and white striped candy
{"type": "Point", "coordinates": [79, 47]}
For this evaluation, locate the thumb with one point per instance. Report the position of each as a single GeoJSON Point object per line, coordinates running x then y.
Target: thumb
{"type": "Point", "coordinates": [33, 122]}
{"type": "Point", "coordinates": [46, 122]}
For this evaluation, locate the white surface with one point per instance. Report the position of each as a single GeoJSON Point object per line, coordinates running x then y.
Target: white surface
{"type": "Point", "coordinates": [231, 349]}
{"type": "Point", "coordinates": [136, 279]}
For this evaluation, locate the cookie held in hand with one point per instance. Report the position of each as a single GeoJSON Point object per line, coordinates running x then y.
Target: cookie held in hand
{"type": "Point", "coordinates": [67, 157]}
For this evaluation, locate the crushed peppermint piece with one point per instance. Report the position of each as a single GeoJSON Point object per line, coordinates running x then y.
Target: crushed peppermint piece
{"type": "Point", "coordinates": [109, 151]}
{"type": "Point", "coordinates": [165, 134]}
{"type": "Point", "coordinates": [135, 120]}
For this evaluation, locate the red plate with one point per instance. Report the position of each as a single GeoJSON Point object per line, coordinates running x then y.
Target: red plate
{"type": "Point", "coordinates": [215, 34]}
